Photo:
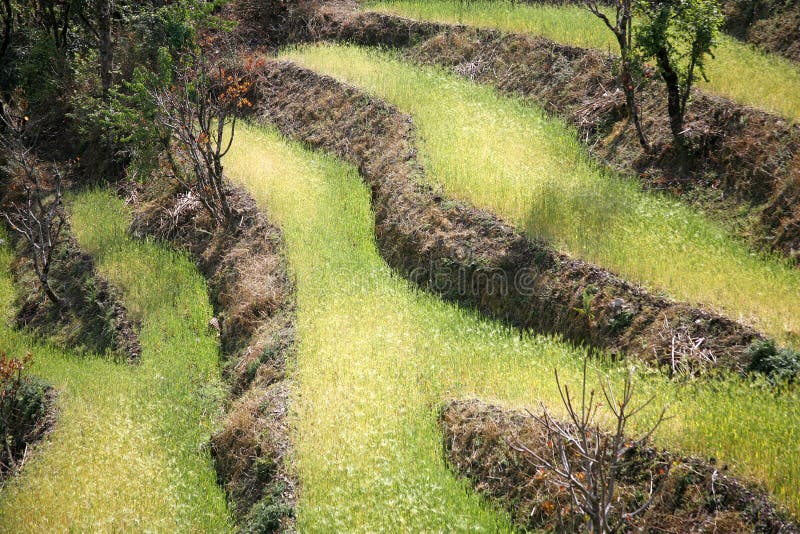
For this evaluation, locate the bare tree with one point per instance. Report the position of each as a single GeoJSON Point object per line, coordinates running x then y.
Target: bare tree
{"type": "Point", "coordinates": [588, 461]}
{"type": "Point", "coordinates": [201, 108]}
{"type": "Point", "coordinates": [39, 218]}
{"type": "Point", "coordinates": [622, 28]}
{"type": "Point", "coordinates": [39, 221]}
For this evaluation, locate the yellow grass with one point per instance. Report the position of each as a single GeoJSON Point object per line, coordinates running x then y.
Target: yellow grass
{"type": "Point", "coordinates": [507, 156]}
{"type": "Point", "coordinates": [376, 358]}
{"type": "Point", "coordinates": [738, 71]}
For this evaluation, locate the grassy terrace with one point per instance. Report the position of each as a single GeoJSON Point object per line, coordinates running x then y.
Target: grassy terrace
{"type": "Point", "coordinates": [376, 358]}
{"type": "Point", "coordinates": [506, 155]}
{"type": "Point", "coordinates": [739, 71]}
{"type": "Point", "coordinates": [129, 450]}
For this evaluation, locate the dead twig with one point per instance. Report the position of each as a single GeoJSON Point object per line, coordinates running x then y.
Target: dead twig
{"type": "Point", "coordinates": [588, 461]}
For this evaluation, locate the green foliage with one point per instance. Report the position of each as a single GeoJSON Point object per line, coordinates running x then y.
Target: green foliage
{"type": "Point", "coordinates": [37, 65]}
{"type": "Point", "coordinates": [687, 29]}
{"type": "Point", "coordinates": [55, 66]}
{"type": "Point", "coordinates": [780, 365]}
{"type": "Point", "coordinates": [267, 514]}
{"type": "Point", "coordinates": [23, 407]}
{"type": "Point", "coordinates": [252, 369]}
{"type": "Point", "coordinates": [679, 35]}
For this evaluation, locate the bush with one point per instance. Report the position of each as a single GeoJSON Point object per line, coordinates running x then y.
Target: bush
{"type": "Point", "coordinates": [23, 411]}
{"type": "Point", "coordinates": [780, 365]}
{"type": "Point", "coordinates": [268, 514]}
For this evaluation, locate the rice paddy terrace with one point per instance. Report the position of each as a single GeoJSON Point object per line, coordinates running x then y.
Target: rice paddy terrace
{"type": "Point", "coordinates": [373, 352]}
{"type": "Point", "coordinates": [128, 452]}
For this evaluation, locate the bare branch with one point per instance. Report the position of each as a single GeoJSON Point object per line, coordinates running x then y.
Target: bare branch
{"type": "Point", "coordinates": [587, 460]}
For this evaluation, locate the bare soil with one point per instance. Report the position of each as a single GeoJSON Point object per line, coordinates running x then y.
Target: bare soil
{"type": "Point", "coordinates": [697, 496]}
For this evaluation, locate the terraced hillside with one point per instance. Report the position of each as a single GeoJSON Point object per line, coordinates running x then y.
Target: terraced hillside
{"type": "Point", "coordinates": [737, 71]}
{"type": "Point", "coordinates": [377, 358]}
{"type": "Point", "coordinates": [339, 266]}
{"type": "Point", "coordinates": [128, 447]}
{"type": "Point", "coordinates": [740, 169]}
{"type": "Point", "coordinates": [501, 154]}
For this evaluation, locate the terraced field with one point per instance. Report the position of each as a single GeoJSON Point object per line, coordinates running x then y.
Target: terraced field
{"type": "Point", "coordinates": [350, 356]}
{"type": "Point", "coordinates": [506, 155]}
{"type": "Point", "coordinates": [737, 71]}
{"type": "Point", "coordinates": [377, 358]}
{"type": "Point", "coordinates": [129, 451]}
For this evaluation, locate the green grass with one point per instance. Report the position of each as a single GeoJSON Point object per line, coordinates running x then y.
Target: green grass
{"type": "Point", "coordinates": [129, 452]}
{"type": "Point", "coordinates": [738, 71]}
{"type": "Point", "coordinates": [376, 358]}
{"type": "Point", "coordinates": [505, 155]}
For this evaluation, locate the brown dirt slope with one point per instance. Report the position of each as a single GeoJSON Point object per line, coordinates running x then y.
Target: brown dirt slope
{"type": "Point", "coordinates": [471, 256]}
{"type": "Point", "coordinates": [697, 495]}
{"type": "Point", "coordinates": [773, 25]}
{"type": "Point", "coordinates": [342, 23]}
{"type": "Point", "coordinates": [743, 167]}
{"type": "Point", "coordinates": [254, 300]}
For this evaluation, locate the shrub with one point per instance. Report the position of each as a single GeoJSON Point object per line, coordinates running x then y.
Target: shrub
{"type": "Point", "coordinates": [23, 411]}
{"type": "Point", "coordinates": [268, 514]}
{"type": "Point", "coordinates": [780, 365]}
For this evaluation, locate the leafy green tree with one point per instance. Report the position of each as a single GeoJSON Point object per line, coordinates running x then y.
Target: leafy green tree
{"type": "Point", "coordinates": [679, 35]}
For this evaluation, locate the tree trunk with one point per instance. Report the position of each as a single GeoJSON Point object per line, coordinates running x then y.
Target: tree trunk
{"type": "Point", "coordinates": [51, 294]}
{"type": "Point", "coordinates": [630, 101]}
{"type": "Point", "coordinates": [626, 79]}
{"type": "Point", "coordinates": [673, 96]}
{"type": "Point", "coordinates": [105, 46]}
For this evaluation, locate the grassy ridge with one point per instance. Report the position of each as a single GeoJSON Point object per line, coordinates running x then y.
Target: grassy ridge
{"type": "Point", "coordinates": [129, 451]}
{"type": "Point", "coordinates": [738, 71]}
{"type": "Point", "coordinates": [376, 358]}
{"type": "Point", "coordinates": [505, 155]}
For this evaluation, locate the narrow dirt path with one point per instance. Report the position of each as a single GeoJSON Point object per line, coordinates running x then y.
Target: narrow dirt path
{"type": "Point", "coordinates": [129, 449]}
